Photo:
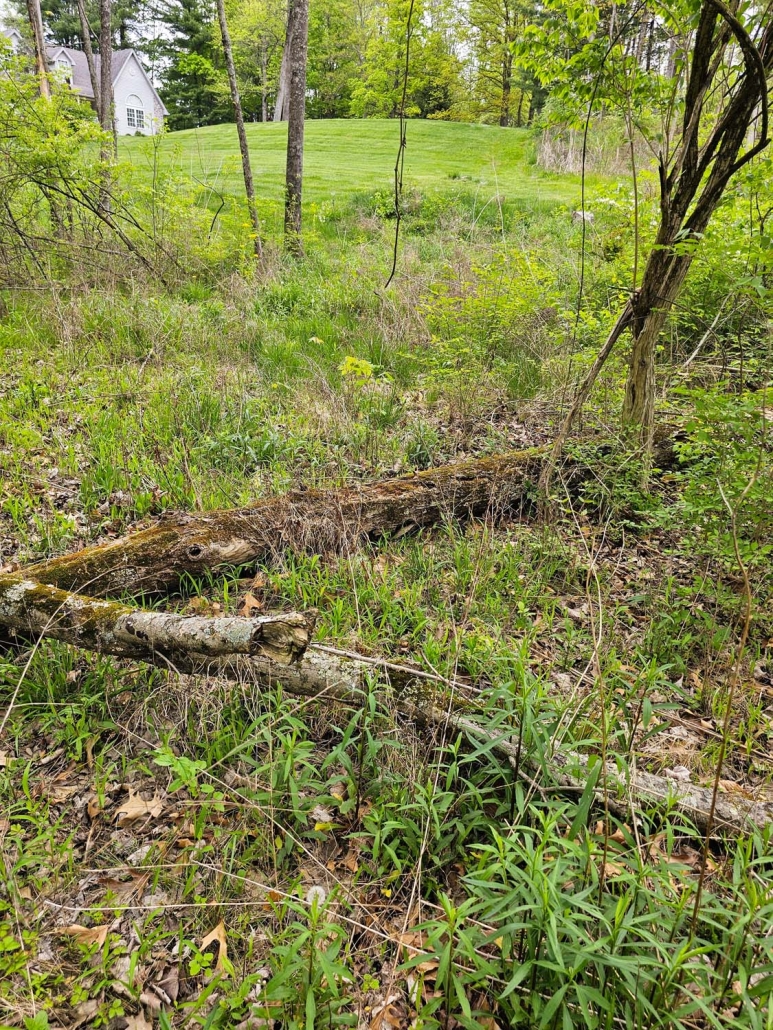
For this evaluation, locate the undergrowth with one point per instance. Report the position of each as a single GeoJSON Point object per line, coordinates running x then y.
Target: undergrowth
{"type": "Point", "coordinates": [191, 852]}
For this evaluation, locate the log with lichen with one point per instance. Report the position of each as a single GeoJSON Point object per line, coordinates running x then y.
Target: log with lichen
{"type": "Point", "coordinates": [157, 558]}
{"type": "Point", "coordinates": [184, 643]}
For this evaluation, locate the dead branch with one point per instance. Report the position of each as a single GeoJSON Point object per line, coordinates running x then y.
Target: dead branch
{"type": "Point", "coordinates": [327, 677]}
{"type": "Point", "coordinates": [185, 643]}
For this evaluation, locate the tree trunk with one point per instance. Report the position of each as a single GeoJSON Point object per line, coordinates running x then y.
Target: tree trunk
{"type": "Point", "coordinates": [106, 103]}
{"type": "Point", "coordinates": [157, 558]}
{"type": "Point", "coordinates": [263, 86]}
{"type": "Point", "coordinates": [89, 52]}
{"type": "Point", "coordinates": [106, 66]}
{"type": "Point", "coordinates": [299, 14]}
{"type": "Point", "coordinates": [249, 188]}
{"type": "Point", "coordinates": [281, 107]}
{"type": "Point", "coordinates": [507, 78]}
{"type": "Point", "coordinates": [41, 63]}
{"type": "Point", "coordinates": [639, 404]}
{"type": "Point", "coordinates": [176, 641]}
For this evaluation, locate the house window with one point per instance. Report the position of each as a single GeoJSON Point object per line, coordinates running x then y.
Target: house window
{"type": "Point", "coordinates": [135, 115]}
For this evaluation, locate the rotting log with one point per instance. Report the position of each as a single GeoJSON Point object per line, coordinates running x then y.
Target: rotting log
{"type": "Point", "coordinates": [328, 677]}
{"type": "Point", "coordinates": [155, 559]}
{"type": "Point", "coordinates": [184, 643]}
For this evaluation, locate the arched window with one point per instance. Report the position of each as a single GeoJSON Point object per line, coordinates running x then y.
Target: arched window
{"type": "Point", "coordinates": [135, 114]}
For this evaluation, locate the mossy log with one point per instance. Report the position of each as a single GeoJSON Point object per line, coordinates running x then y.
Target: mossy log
{"type": "Point", "coordinates": [185, 643]}
{"type": "Point", "coordinates": [155, 559]}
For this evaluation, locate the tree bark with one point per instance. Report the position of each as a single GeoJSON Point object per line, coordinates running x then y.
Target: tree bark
{"type": "Point", "coordinates": [157, 558]}
{"type": "Point", "coordinates": [186, 643]}
{"type": "Point", "coordinates": [41, 63]}
{"type": "Point", "coordinates": [106, 105]}
{"type": "Point", "coordinates": [281, 107]}
{"type": "Point", "coordinates": [249, 187]}
{"type": "Point", "coordinates": [299, 18]}
{"type": "Point", "coordinates": [263, 86]}
{"type": "Point", "coordinates": [89, 52]}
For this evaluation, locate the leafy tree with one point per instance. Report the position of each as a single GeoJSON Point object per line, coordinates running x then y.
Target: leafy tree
{"type": "Point", "coordinates": [194, 87]}
{"type": "Point", "coordinates": [258, 31]}
{"type": "Point", "coordinates": [434, 73]}
{"type": "Point", "coordinates": [62, 21]}
{"type": "Point", "coordinates": [711, 96]}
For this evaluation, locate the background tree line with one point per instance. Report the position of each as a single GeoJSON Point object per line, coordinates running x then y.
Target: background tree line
{"type": "Point", "coordinates": [461, 61]}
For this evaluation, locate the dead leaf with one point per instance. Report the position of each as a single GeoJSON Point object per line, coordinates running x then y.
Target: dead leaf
{"type": "Point", "coordinates": [86, 934]}
{"type": "Point", "coordinates": [218, 934]}
{"type": "Point", "coordinates": [84, 1012]}
{"type": "Point", "coordinates": [93, 807]}
{"type": "Point", "coordinates": [135, 807]}
{"type": "Point", "coordinates": [59, 794]}
{"type": "Point", "coordinates": [249, 605]}
{"type": "Point", "coordinates": [391, 1012]}
{"type": "Point", "coordinates": [3, 759]}
{"type": "Point", "coordinates": [613, 869]}
{"type": "Point", "coordinates": [168, 987]}
{"type": "Point", "coordinates": [138, 1022]}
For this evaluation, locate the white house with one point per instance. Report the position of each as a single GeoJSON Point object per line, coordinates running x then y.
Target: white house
{"type": "Point", "coordinates": [138, 107]}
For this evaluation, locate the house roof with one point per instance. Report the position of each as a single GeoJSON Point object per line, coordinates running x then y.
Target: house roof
{"type": "Point", "coordinates": [81, 80]}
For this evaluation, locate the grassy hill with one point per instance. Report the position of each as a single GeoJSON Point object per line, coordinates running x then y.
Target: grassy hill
{"type": "Point", "coordinates": [346, 157]}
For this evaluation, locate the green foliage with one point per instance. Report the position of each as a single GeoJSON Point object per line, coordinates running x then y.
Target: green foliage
{"type": "Point", "coordinates": [728, 475]}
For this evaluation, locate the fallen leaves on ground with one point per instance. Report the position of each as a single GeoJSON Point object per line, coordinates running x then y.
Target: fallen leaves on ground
{"type": "Point", "coordinates": [86, 934]}
{"type": "Point", "coordinates": [218, 935]}
{"type": "Point", "coordinates": [136, 807]}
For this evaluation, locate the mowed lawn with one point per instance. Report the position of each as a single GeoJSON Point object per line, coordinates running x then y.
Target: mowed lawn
{"type": "Point", "coordinates": [345, 157]}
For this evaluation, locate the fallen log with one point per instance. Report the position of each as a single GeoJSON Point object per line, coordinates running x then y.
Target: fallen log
{"type": "Point", "coordinates": [157, 558]}
{"type": "Point", "coordinates": [186, 643]}
{"type": "Point", "coordinates": [320, 674]}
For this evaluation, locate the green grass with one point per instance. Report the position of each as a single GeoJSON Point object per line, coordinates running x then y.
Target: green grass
{"type": "Point", "coordinates": [345, 157]}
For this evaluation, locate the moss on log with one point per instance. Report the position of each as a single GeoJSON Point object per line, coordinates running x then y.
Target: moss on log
{"type": "Point", "coordinates": [154, 559]}
{"type": "Point", "coordinates": [186, 643]}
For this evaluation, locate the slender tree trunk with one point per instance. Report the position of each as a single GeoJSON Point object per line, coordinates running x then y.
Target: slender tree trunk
{"type": "Point", "coordinates": [519, 115]}
{"type": "Point", "coordinates": [106, 112]}
{"type": "Point", "coordinates": [249, 187]}
{"type": "Point", "coordinates": [298, 31]}
{"type": "Point", "coordinates": [281, 108]}
{"type": "Point", "coordinates": [89, 52]}
{"type": "Point", "coordinates": [263, 86]}
{"type": "Point", "coordinates": [41, 65]}
{"type": "Point", "coordinates": [507, 78]}
{"type": "Point", "coordinates": [639, 404]}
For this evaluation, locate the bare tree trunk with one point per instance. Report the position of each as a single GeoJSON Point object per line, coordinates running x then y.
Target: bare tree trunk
{"type": "Point", "coordinates": [281, 107]}
{"type": "Point", "coordinates": [249, 187]}
{"type": "Point", "coordinates": [106, 112]}
{"type": "Point", "coordinates": [41, 64]}
{"type": "Point", "coordinates": [89, 52]}
{"type": "Point", "coordinates": [507, 78]}
{"type": "Point", "coordinates": [299, 18]}
{"type": "Point", "coordinates": [263, 86]}
{"type": "Point", "coordinates": [639, 403]}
